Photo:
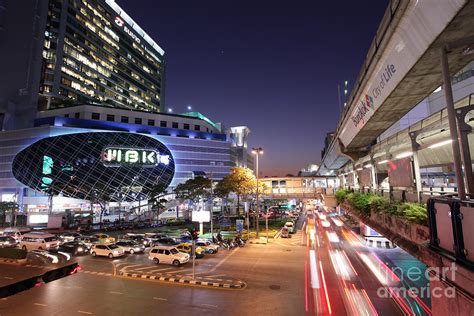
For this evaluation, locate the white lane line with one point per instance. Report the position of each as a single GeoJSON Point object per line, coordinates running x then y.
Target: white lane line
{"type": "Point", "coordinates": [113, 292]}
{"type": "Point", "coordinates": [3, 299]}
{"type": "Point", "coordinates": [84, 312]}
{"type": "Point", "coordinates": [209, 305]}
{"type": "Point", "coordinates": [164, 269]}
{"type": "Point", "coordinates": [224, 260]}
{"type": "Point", "coordinates": [8, 278]}
{"type": "Point", "coordinates": [39, 304]}
{"type": "Point", "coordinates": [145, 268]}
{"type": "Point", "coordinates": [130, 266]}
{"type": "Point", "coordinates": [160, 298]}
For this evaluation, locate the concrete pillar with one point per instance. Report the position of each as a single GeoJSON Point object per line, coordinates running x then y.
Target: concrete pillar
{"type": "Point", "coordinates": [416, 165]}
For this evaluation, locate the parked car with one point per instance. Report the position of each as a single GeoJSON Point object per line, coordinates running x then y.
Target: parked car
{"type": "Point", "coordinates": [166, 241]}
{"type": "Point", "coordinates": [74, 247]}
{"type": "Point", "coordinates": [41, 241]}
{"type": "Point", "coordinates": [139, 238]}
{"type": "Point", "coordinates": [68, 236]}
{"type": "Point", "coordinates": [8, 242]}
{"type": "Point", "coordinates": [15, 232]}
{"type": "Point", "coordinates": [188, 248]}
{"type": "Point", "coordinates": [131, 246]}
{"type": "Point", "coordinates": [207, 246]}
{"type": "Point", "coordinates": [110, 251]}
{"type": "Point", "coordinates": [290, 226]}
{"type": "Point", "coordinates": [285, 233]}
{"type": "Point", "coordinates": [88, 240]}
{"type": "Point", "coordinates": [168, 254]}
{"type": "Point", "coordinates": [104, 238]}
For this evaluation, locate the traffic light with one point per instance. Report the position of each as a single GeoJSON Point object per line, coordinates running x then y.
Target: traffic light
{"type": "Point", "coordinates": [195, 234]}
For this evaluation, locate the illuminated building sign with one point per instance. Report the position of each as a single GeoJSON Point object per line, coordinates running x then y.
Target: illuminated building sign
{"type": "Point", "coordinates": [80, 165]}
{"type": "Point", "coordinates": [121, 23]}
{"type": "Point", "coordinates": [144, 157]}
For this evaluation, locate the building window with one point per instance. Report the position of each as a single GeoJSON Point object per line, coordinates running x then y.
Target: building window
{"type": "Point", "coordinates": [110, 117]}
{"type": "Point", "coordinates": [175, 125]}
{"type": "Point", "coordinates": [151, 122]}
{"type": "Point", "coordinates": [124, 119]}
{"type": "Point", "coordinates": [138, 120]}
{"type": "Point", "coordinates": [66, 115]}
{"type": "Point", "coordinates": [96, 116]}
{"type": "Point", "coordinates": [77, 115]}
{"type": "Point", "coordinates": [197, 127]}
{"type": "Point", "coordinates": [163, 124]}
{"type": "Point", "coordinates": [186, 126]}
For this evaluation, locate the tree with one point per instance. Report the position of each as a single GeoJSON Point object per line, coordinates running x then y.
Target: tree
{"type": "Point", "coordinates": [193, 189]}
{"type": "Point", "coordinates": [7, 207]}
{"type": "Point", "coordinates": [241, 181]}
{"type": "Point", "coordinates": [157, 199]}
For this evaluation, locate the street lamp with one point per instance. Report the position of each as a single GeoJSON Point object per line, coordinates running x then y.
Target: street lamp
{"type": "Point", "coordinates": [257, 152]}
{"type": "Point", "coordinates": [189, 108]}
{"type": "Point", "coordinates": [170, 110]}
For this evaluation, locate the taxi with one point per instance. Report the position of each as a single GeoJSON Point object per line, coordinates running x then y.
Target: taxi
{"type": "Point", "coordinates": [188, 248]}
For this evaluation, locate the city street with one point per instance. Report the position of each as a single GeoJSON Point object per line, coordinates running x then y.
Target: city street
{"type": "Point", "coordinates": [274, 274]}
{"type": "Point", "coordinates": [321, 270]}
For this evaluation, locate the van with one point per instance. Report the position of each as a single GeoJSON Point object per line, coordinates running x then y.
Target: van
{"type": "Point", "coordinates": [168, 254]}
{"type": "Point", "coordinates": [42, 241]}
{"type": "Point", "coordinates": [15, 232]}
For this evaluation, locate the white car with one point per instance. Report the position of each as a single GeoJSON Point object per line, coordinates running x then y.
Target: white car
{"type": "Point", "coordinates": [207, 246]}
{"type": "Point", "coordinates": [168, 254]}
{"type": "Point", "coordinates": [41, 241]}
{"type": "Point", "coordinates": [110, 251]}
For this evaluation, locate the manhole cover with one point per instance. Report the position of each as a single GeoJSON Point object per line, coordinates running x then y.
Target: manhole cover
{"type": "Point", "coordinates": [274, 287]}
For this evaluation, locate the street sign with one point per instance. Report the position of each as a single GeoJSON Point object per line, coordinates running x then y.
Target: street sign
{"type": "Point", "coordinates": [239, 223]}
{"type": "Point", "coordinates": [201, 216]}
{"type": "Point", "coordinates": [246, 207]}
{"type": "Point", "coordinates": [224, 222]}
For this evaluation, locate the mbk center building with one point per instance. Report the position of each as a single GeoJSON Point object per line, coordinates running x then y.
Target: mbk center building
{"type": "Point", "coordinates": [81, 113]}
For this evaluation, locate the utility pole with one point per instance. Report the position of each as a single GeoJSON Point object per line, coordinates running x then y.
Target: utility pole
{"type": "Point", "coordinates": [257, 151]}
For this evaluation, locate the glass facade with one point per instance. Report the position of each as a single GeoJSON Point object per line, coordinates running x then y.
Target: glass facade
{"type": "Point", "coordinates": [92, 54]}
{"type": "Point", "coordinates": [120, 166]}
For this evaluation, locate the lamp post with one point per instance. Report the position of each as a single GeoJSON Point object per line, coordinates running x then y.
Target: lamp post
{"type": "Point", "coordinates": [257, 152]}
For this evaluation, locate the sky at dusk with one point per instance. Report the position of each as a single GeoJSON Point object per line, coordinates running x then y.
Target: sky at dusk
{"type": "Point", "coordinates": [273, 66]}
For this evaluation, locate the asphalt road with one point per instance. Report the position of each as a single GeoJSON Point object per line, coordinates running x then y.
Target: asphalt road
{"type": "Point", "coordinates": [322, 269]}
{"type": "Point", "coordinates": [274, 274]}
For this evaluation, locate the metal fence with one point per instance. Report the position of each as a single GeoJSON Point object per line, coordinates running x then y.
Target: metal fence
{"type": "Point", "coordinates": [451, 221]}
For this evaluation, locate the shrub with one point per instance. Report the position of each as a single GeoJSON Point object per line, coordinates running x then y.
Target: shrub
{"type": "Point", "coordinates": [360, 202]}
{"type": "Point", "coordinates": [378, 203]}
{"type": "Point", "coordinates": [414, 212]}
{"type": "Point", "coordinates": [341, 195]}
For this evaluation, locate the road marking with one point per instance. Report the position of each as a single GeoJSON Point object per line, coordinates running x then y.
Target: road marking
{"type": "Point", "coordinates": [8, 278]}
{"type": "Point", "coordinates": [160, 298]}
{"type": "Point", "coordinates": [39, 304]}
{"type": "Point", "coordinates": [113, 292]}
{"type": "Point", "coordinates": [209, 305]}
{"type": "Point", "coordinates": [145, 268]}
{"type": "Point", "coordinates": [164, 269]}
{"type": "Point", "coordinates": [224, 260]}
{"type": "Point", "coordinates": [4, 299]}
{"type": "Point", "coordinates": [84, 312]}
{"type": "Point", "coordinates": [130, 266]}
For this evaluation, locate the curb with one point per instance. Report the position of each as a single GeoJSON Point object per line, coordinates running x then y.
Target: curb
{"type": "Point", "coordinates": [13, 261]}
{"type": "Point", "coordinates": [241, 284]}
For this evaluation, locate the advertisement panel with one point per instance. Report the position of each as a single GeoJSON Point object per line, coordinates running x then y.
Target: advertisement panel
{"type": "Point", "coordinates": [400, 173]}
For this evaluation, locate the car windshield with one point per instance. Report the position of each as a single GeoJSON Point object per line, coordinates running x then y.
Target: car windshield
{"type": "Point", "coordinates": [48, 239]}
{"type": "Point", "coordinates": [174, 251]}
{"type": "Point", "coordinates": [113, 246]}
